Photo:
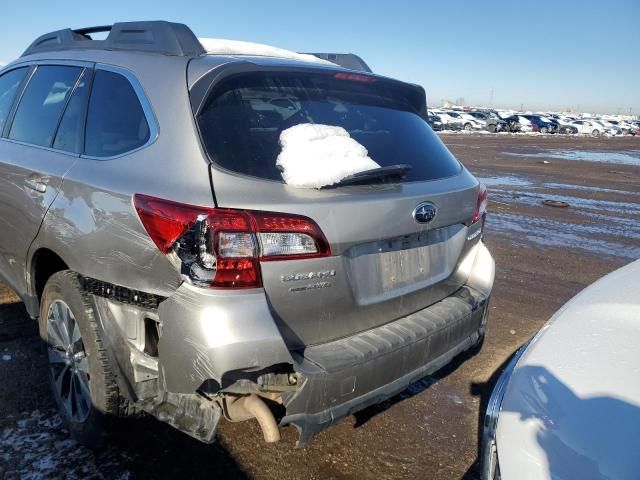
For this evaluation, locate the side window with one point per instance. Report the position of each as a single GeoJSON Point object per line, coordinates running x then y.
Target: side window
{"type": "Point", "coordinates": [42, 104]}
{"type": "Point", "coordinates": [9, 83]}
{"type": "Point", "coordinates": [71, 129]}
{"type": "Point", "coordinates": [115, 120]}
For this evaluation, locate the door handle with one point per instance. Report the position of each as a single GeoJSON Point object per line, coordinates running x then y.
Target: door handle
{"type": "Point", "coordinates": [36, 185]}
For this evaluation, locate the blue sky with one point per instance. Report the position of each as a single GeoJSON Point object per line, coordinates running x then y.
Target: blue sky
{"type": "Point", "coordinates": [543, 54]}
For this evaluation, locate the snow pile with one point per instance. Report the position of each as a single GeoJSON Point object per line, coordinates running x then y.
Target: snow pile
{"type": "Point", "coordinates": [315, 155]}
{"type": "Point", "coordinates": [218, 46]}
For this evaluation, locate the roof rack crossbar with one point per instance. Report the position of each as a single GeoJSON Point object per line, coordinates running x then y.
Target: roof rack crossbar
{"type": "Point", "coordinates": [90, 30]}
{"type": "Point", "coordinates": [161, 37]}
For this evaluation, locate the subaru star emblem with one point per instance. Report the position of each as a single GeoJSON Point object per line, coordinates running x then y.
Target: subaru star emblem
{"type": "Point", "coordinates": [424, 212]}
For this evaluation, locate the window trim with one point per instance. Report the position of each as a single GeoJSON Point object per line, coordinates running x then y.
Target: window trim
{"type": "Point", "coordinates": [154, 130]}
{"type": "Point", "coordinates": [86, 75]}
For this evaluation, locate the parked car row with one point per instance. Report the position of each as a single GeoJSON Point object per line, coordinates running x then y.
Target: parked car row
{"type": "Point", "coordinates": [472, 120]}
{"type": "Point", "coordinates": [495, 121]}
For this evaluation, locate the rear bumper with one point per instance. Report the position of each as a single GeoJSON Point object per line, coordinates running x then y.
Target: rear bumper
{"type": "Point", "coordinates": [208, 334]}
{"type": "Point", "coordinates": [345, 376]}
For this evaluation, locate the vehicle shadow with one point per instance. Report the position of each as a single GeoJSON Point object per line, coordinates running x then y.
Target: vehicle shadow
{"type": "Point", "coordinates": [582, 437]}
{"type": "Point", "coordinates": [159, 451]}
{"type": "Point", "coordinates": [363, 416]}
{"type": "Point", "coordinates": [483, 391]}
{"type": "Point", "coordinates": [575, 433]}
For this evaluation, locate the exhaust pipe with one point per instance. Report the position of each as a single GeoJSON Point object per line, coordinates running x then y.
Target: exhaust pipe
{"type": "Point", "coordinates": [252, 406]}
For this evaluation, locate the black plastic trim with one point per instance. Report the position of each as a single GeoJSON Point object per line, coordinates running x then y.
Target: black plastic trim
{"type": "Point", "coordinates": [161, 37]}
{"type": "Point", "coordinates": [119, 293]}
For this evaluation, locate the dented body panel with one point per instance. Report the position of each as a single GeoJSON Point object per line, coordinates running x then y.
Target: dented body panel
{"type": "Point", "coordinates": [30, 179]}
{"type": "Point", "coordinates": [206, 334]}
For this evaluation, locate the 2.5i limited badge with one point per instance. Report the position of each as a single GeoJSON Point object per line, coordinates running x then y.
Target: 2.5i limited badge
{"type": "Point", "coordinates": [293, 277]}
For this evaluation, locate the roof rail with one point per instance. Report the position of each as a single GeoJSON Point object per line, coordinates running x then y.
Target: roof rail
{"type": "Point", "coordinates": [162, 37]}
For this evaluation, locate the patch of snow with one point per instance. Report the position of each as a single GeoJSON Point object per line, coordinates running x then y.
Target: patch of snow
{"type": "Point", "coordinates": [37, 447]}
{"type": "Point", "coordinates": [6, 357]}
{"type": "Point", "coordinates": [316, 155]}
{"type": "Point", "coordinates": [219, 46]}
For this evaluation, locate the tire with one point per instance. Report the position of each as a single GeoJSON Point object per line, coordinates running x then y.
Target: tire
{"type": "Point", "coordinates": [493, 128]}
{"type": "Point", "coordinates": [596, 133]}
{"type": "Point", "coordinates": [468, 127]}
{"type": "Point", "coordinates": [544, 130]}
{"type": "Point", "coordinates": [78, 362]}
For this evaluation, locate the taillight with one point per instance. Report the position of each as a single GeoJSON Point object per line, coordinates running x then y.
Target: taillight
{"type": "Point", "coordinates": [222, 247]}
{"type": "Point", "coordinates": [481, 206]}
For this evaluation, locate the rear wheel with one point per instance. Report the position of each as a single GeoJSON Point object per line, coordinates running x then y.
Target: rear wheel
{"type": "Point", "coordinates": [493, 129]}
{"type": "Point", "coordinates": [82, 381]}
{"type": "Point", "coordinates": [544, 130]}
{"type": "Point", "coordinates": [595, 133]}
{"type": "Point", "coordinates": [468, 127]}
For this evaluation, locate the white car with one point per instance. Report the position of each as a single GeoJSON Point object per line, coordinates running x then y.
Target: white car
{"type": "Point", "coordinates": [568, 404]}
{"type": "Point", "coordinates": [472, 123]}
{"type": "Point", "coordinates": [612, 126]}
{"type": "Point", "coordinates": [590, 127]}
{"type": "Point", "coordinates": [525, 124]}
{"type": "Point", "coordinates": [467, 122]}
{"type": "Point", "coordinates": [448, 121]}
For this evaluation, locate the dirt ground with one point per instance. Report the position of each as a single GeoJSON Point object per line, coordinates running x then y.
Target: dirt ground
{"type": "Point", "coordinates": [544, 255]}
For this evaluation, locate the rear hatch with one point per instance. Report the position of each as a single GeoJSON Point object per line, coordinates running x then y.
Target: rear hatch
{"type": "Point", "coordinates": [383, 264]}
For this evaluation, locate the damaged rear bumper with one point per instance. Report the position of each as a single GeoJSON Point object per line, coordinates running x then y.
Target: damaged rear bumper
{"type": "Point", "coordinates": [211, 338]}
{"type": "Point", "coordinates": [345, 376]}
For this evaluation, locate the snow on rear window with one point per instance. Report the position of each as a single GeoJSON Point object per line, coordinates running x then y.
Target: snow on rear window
{"type": "Point", "coordinates": [315, 156]}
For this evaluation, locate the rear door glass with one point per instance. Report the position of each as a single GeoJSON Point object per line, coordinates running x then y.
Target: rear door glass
{"type": "Point", "coordinates": [42, 104]}
{"type": "Point", "coordinates": [116, 122]}
{"type": "Point", "coordinates": [9, 84]}
{"type": "Point", "coordinates": [244, 116]}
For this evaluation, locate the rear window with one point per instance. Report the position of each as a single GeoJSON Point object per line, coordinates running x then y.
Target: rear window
{"type": "Point", "coordinates": [244, 116]}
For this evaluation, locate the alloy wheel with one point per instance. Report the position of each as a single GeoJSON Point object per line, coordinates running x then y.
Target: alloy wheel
{"type": "Point", "coordinates": [68, 361]}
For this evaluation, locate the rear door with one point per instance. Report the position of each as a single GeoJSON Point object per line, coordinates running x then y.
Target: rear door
{"type": "Point", "coordinates": [384, 264]}
{"type": "Point", "coordinates": [38, 146]}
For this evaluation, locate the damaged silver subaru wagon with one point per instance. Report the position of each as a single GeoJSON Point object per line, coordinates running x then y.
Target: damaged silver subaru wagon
{"type": "Point", "coordinates": [147, 225]}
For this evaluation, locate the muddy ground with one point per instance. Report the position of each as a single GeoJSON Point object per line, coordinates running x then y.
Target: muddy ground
{"type": "Point", "coordinates": [544, 256]}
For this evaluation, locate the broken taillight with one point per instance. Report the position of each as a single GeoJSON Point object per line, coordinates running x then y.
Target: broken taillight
{"type": "Point", "coordinates": [481, 206]}
{"type": "Point", "coordinates": [221, 247]}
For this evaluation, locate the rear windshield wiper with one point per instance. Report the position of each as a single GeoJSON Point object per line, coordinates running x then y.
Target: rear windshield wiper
{"type": "Point", "coordinates": [393, 171]}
